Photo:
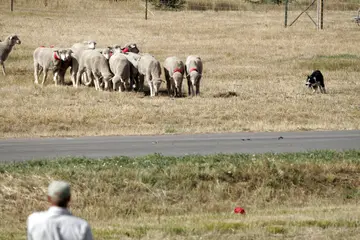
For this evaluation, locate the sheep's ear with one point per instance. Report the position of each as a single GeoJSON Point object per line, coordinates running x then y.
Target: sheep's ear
{"type": "Point", "coordinates": [70, 51]}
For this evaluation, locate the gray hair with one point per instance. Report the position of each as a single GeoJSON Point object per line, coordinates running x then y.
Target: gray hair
{"type": "Point", "coordinates": [59, 191]}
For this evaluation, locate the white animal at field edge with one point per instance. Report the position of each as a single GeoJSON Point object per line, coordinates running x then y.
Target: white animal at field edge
{"type": "Point", "coordinates": [6, 47]}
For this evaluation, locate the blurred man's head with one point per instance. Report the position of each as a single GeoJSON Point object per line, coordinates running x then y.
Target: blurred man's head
{"type": "Point", "coordinates": [59, 193]}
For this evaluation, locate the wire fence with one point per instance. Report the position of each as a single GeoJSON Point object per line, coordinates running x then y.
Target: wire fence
{"type": "Point", "coordinates": [190, 5]}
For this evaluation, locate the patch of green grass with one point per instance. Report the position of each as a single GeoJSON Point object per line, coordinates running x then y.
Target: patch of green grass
{"type": "Point", "coordinates": [170, 129]}
{"type": "Point", "coordinates": [273, 229]}
{"type": "Point", "coordinates": [327, 223]}
{"type": "Point", "coordinates": [176, 230]}
{"type": "Point", "coordinates": [224, 227]}
{"type": "Point", "coordinates": [350, 62]}
{"type": "Point", "coordinates": [339, 56]}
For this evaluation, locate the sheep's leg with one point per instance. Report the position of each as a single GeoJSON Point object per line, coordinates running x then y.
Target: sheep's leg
{"type": "Point", "coordinates": [74, 71]}
{"type": "Point", "coordinates": [192, 90]}
{"type": "Point", "coordinates": [3, 67]}
{"type": "Point", "coordinates": [141, 83]}
{"type": "Point", "coordinates": [41, 69]}
{"type": "Point", "coordinates": [136, 81]}
{"type": "Point", "coordinates": [106, 84]}
{"type": "Point", "coordinates": [45, 76]}
{"type": "Point", "coordinates": [132, 82]}
{"type": "Point", "coordinates": [56, 78]}
{"type": "Point", "coordinates": [116, 80]}
{"type": "Point", "coordinates": [189, 87]}
{"type": "Point", "coordinates": [173, 88]}
{"type": "Point", "coordinates": [180, 90]}
{"type": "Point", "coordinates": [96, 81]}
{"type": "Point", "coordinates": [36, 73]}
{"type": "Point", "coordinates": [86, 78]}
{"type": "Point", "coordinates": [167, 78]}
{"type": "Point", "coordinates": [61, 76]}
{"type": "Point", "coordinates": [151, 85]}
{"type": "Point", "coordinates": [122, 86]}
{"type": "Point", "coordinates": [79, 72]}
{"type": "Point", "coordinates": [198, 88]}
{"type": "Point", "coordinates": [168, 86]}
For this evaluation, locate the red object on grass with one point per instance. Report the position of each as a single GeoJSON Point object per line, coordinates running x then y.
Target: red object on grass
{"type": "Point", "coordinates": [239, 210]}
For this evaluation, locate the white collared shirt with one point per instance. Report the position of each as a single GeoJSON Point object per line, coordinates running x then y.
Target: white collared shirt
{"type": "Point", "coordinates": [57, 224]}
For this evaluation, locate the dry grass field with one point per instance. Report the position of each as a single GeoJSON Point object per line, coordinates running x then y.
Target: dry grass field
{"type": "Point", "coordinates": [247, 52]}
{"type": "Point", "coordinates": [286, 196]}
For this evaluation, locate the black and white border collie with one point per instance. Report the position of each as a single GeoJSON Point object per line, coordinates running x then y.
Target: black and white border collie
{"type": "Point", "coordinates": [315, 81]}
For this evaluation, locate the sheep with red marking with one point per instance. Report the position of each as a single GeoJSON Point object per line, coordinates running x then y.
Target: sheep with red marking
{"type": "Point", "coordinates": [193, 69]}
{"type": "Point", "coordinates": [174, 70]}
{"type": "Point", "coordinates": [57, 60]}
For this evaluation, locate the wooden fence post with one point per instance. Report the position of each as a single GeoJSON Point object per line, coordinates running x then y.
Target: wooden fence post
{"type": "Point", "coordinates": [286, 12]}
{"type": "Point", "coordinates": [146, 7]}
{"type": "Point", "coordinates": [320, 14]}
{"type": "Point", "coordinates": [11, 5]}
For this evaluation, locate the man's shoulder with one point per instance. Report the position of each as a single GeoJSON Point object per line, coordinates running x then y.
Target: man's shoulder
{"type": "Point", "coordinates": [35, 218]}
{"type": "Point", "coordinates": [36, 215]}
{"type": "Point", "coordinates": [77, 220]}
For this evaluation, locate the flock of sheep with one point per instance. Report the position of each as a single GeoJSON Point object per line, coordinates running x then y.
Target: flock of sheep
{"type": "Point", "coordinates": [113, 68]}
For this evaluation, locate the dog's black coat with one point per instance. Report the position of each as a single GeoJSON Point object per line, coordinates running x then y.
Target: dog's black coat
{"type": "Point", "coordinates": [315, 80]}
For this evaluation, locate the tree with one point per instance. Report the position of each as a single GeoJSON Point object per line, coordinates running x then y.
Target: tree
{"type": "Point", "coordinates": [168, 4]}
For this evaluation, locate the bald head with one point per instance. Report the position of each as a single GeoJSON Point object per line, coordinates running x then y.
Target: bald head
{"type": "Point", "coordinates": [59, 193]}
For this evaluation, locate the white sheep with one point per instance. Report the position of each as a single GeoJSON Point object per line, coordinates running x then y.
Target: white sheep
{"type": "Point", "coordinates": [57, 60]}
{"type": "Point", "coordinates": [6, 47]}
{"type": "Point", "coordinates": [77, 50]}
{"type": "Point", "coordinates": [149, 68]}
{"type": "Point", "coordinates": [193, 69]}
{"type": "Point", "coordinates": [96, 67]}
{"type": "Point", "coordinates": [174, 70]}
{"type": "Point", "coordinates": [120, 67]}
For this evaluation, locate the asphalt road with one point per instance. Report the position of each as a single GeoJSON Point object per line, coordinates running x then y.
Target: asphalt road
{"type": "Point", "coordinates": [176, 145]}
